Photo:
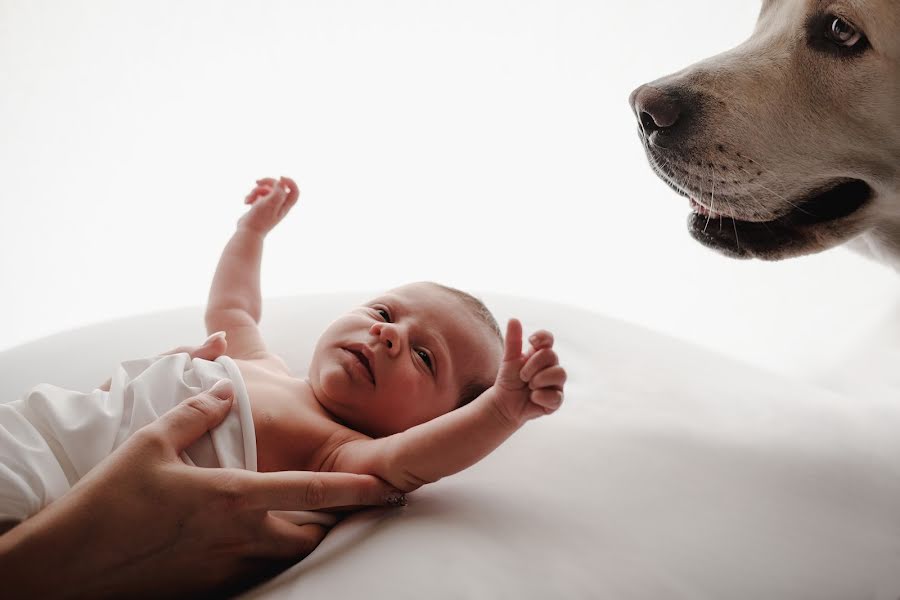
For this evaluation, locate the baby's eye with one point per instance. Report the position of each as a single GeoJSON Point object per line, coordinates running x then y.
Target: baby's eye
{"type": "Point", "coordinates": [384, 314]}
{"type": "Point", "coordinates": [425, 359]}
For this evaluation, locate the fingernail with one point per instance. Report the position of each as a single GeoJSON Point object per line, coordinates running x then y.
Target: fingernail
{"type": "Point", "coordinates": [223, 390]}
{"type": "Point", "coordinates": [395, 499]}
{"type": "Point", "coordinates": [532, 339]}
{"type": "Point", "coordinates": [218, 334]}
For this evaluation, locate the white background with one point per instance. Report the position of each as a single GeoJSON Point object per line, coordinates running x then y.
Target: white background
{"type": "Point", "coordinates": [483, 144]}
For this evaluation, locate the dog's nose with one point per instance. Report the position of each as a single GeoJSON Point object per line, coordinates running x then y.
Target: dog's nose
{"type": "Point", "coordinates": [655, 109]}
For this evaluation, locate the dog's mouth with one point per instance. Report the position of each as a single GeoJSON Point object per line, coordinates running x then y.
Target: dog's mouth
{"type": "Point", "coordinates": [791, 234]}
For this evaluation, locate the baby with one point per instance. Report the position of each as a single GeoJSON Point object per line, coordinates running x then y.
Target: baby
{"type": "Point", "coordinates": [410, 387]}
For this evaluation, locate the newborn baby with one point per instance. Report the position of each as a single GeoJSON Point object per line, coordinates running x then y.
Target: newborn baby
{"type": "Point", "coordinates": [410, 387]}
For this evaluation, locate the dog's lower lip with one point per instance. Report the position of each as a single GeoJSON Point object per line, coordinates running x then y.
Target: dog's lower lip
{"type": "Point", "coordinates": [787, 234]}
{"type": "Point", "coordinates": [838, 199]}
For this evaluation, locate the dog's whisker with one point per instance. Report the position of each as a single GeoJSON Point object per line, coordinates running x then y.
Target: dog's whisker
{"type": "Point", "coordinates": [762, 206]}
{"type": "Point", "coordinates": [759, 160]}
{"type": "Point", "coordinates": [666, 167]}
{"type": "Point", "coordinates": [737, 239]}
{"type": "Point", "coordinates": [793, 205]}
{"type": "Point", "coordinates": [757, 203]}
{"type": "Point", "coordinates": [690, 182]}
{"type": "Point", "coordinates": [712, 204]}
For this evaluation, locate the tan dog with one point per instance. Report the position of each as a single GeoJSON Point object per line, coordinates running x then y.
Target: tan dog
{"type": "Point", "coordinates": [789, 143]}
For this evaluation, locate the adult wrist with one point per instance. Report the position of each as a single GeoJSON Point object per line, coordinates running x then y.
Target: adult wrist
{"type": "Point", "coordinates": [20, 559]}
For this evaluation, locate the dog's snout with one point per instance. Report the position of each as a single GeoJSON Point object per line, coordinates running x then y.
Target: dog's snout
{"type": "Point", "coordinates": [655, 109]}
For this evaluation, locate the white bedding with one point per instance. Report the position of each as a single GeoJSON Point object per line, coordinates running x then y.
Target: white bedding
{"type": "Point", "coordinates": [670, 472]}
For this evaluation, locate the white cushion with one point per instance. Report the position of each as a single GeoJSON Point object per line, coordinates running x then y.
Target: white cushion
{"type": "Point", "coordinates": [670, 472]}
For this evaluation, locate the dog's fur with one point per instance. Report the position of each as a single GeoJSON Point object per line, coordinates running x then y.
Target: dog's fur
{"type": "Point", "coordinates": [760, 137]}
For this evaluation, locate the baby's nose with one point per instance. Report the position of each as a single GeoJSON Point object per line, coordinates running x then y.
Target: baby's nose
{"type": "Point", "coordinates": [387, 333]}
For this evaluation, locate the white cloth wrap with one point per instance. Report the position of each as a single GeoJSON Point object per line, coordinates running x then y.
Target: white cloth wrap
{"type": "Point", "coordinates": [52, 436]}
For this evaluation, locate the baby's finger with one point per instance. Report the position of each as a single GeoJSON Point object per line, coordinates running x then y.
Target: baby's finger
{"type": "Point", "coordinates": [513, 343]}
{"type": "Point", "coordinates": [278, 196]}
{"type": "Point", "coordinates": [273, 201]}
{"type": "Point", "coordinates": [291, 195]}
{"type": "Point", "coordinates": [255, 193]}
{"type": "Point", "coordinates": [541, 339]}
{"type": "Point", "coordinates": [554, 377]}
{"type": "Point", "coordinates": [549, 400]}
{"type": "Point", "coordinates": [292, 189]}
{"type": "Point", "coordinates": [264, 189]}
{"type": "Point", "coordinates": [542, 359]}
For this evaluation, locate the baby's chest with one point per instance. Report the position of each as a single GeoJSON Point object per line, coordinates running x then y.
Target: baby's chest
{"type": "Point", "coordinates": [290, 429]}
{"type": "Point", "coordinates": [273, 396]}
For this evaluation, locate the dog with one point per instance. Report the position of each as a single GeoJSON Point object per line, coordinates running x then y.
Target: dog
{"type": "Point", "coordinates": [789, 143]}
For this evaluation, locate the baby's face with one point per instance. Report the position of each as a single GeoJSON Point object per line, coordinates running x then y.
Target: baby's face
{"type": "Point", "coordinates": [402, 359]}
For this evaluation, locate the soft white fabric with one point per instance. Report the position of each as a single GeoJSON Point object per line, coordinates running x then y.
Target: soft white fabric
{"type": "Point", "coordinates": [52, 436]}
{"type": "Point", "coordinates": [670, 472]}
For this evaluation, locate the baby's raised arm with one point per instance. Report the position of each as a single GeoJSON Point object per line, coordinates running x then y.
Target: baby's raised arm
{"type": "Point", "coordinates": [527, 386]}
{"type": "Point", "coordinates": [235, 301]}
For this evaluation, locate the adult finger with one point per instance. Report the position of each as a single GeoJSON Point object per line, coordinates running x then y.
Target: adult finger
{"type": "Point", "coordinates": [212, 348]}
{"type": "Point", "coordinates": [185, 423]}
{"type": "Point", "coordinates": [542, 359]}
{"type": "Point", "coordinates": [283, 539]}
{"type": "Point", "coordinates": [307, 490]}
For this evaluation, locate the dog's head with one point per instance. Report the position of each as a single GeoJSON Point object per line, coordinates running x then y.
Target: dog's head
{"type": "Point", "coordinates": [789, 143]}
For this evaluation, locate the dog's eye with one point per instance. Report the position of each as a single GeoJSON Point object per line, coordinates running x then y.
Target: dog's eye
{"type": "Point", "coordinates": [843, 33]}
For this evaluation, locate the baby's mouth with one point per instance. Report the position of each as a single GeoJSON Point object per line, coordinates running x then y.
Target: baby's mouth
{"type": "Point", "coordinates": [364, 361]}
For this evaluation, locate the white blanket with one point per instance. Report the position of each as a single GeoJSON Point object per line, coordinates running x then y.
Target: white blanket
{"type": "Point", "coordinates": [52, 436]}
{"type": "Point", "coordinates": [670, 472]}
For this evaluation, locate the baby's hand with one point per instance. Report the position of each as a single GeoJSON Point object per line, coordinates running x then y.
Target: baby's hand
{"type": "Point", "coordinates": [528, 385]}
{"type": "Point", "coordinates": [270, 201]}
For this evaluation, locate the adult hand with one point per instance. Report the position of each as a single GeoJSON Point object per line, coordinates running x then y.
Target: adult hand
{"type": "Point", "coordinates": [144, 523]}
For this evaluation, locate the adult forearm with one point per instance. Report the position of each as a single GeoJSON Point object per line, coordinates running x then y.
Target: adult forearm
{"type": "Point", "coordinates": [43, 559]}
{"type": "Point", "coordinates": [236, 282]}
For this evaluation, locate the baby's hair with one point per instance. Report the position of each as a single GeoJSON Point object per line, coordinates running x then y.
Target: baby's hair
{"type": "Point", "coordinates": [473, 389]}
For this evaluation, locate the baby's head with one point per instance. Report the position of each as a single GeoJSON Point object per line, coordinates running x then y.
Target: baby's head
{"type": "Point", "coordinates": [406, 357]}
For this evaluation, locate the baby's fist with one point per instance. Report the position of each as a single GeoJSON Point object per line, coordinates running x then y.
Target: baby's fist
{"type": "Point", "coordinates": [528, 385]}
{"type": "Point", "coordinates": [270, 201]}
